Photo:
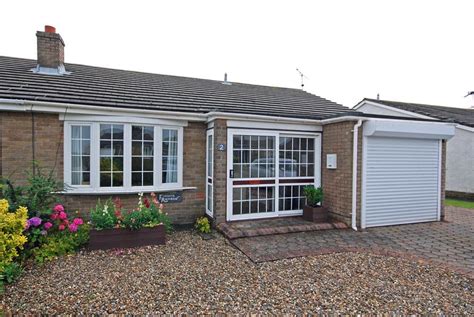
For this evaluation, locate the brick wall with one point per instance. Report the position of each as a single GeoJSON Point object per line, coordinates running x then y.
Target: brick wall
{"type": "Point", "coordinates": [337, 183]}
{"type": "Point", "coordinates": [50, 48]}
{"type": "Point", "coordinates": [17, 153]}
{"type": "Point", "coordinates": [220, 171]}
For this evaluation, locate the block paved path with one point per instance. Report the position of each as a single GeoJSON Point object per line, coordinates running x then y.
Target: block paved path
{"type": "Point", "coordinates": [449, 243]}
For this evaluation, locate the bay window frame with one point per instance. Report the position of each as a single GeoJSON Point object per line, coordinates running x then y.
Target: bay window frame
{"type": "Point", "coordinates": [94, 123]}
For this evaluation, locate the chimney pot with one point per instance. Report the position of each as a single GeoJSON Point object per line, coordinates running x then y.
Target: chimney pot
{"type": "Point", "coordinates": [49, 29]}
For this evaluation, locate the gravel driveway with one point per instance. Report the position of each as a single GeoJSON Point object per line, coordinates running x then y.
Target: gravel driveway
{"type": "Point", "coordinates": [190, 275]}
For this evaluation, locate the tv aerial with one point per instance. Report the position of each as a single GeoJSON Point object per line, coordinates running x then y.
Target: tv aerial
{"type": "Point", "coordinates": [303, 77]}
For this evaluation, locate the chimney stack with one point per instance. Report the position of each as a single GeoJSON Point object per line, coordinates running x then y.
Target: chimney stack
{"type": "Point", "coordinates": [50, 48]}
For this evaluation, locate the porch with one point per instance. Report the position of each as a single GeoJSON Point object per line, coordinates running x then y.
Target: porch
{"type": "Point", "coordinates": [280, 225]}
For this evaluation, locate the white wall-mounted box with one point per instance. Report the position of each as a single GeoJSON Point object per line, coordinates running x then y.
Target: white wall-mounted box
{"type": "Point", "coordinates": [331, 161]}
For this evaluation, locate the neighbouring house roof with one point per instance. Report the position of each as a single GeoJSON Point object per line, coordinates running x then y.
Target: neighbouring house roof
{"type": "Point", "coordinates": [97, 86]}
{"type": "Point", "coordinates": [458, 115]}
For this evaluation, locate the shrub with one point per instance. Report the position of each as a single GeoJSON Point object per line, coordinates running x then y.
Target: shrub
{"type": "Point", "coordinates": [12, 225]}
{"type": "Point", "coordinates": [12, 272]}
{"type": "Point", "coordinates": [314, 196]}
{"type": "Point", "coordinates": [61, 243]}
{"type": "Point", "coordinates": [202, 225]}
{"type": "Point", "coordinates": [38, 195]}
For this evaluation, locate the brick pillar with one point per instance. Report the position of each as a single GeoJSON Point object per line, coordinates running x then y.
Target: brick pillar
{"type": "Point", "coordinates": [220, 171]}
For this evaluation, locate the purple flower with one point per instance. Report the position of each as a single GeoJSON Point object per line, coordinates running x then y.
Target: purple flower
{"type": "Point", "coordinates": [35, 221]}
{"type": "Point", "coordinates": [72, 227]}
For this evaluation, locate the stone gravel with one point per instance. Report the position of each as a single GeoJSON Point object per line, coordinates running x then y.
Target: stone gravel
{"type": "Point", "coordinates": [191, 275]}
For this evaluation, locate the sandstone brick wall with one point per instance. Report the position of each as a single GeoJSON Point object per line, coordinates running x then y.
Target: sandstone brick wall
{"type": "Point", "coordinates": [337, 183]}
{"type": "Point", "coordinates": [17, 144]}
{"type": "Point", "coordinates": [16, 141]}
{"type": "Point", "coordinates": [50, 48]}
{"type": "Point", "coordinates": [220, 172]}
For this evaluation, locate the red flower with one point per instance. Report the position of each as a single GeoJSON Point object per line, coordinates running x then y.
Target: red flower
{"type": "Point", "coordinates": [146, 202]}
{"type": "Point", "coordinates": [61, 227]}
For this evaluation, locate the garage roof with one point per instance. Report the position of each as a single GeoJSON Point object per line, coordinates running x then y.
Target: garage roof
{"type": "Point", "coordinates": [458, 115]}
{"type": "Point", "coordinates": [97, 86]}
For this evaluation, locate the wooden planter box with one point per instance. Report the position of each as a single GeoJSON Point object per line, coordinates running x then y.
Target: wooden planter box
{"type": "Point", "coordinates": [125, 238]}
{"type": "Point", "coordinates": [315, 214]}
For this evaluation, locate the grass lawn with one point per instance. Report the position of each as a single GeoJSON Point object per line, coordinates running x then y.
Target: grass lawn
{"type": "Point", "coordinates": [459, 203]}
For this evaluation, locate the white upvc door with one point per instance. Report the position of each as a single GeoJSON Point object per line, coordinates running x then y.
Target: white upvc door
{"type": "Point", "coordinates": [267, 170]}
{"type": "Point", "coordinates": [210, 172]}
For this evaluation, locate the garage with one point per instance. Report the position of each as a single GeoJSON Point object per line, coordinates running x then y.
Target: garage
{"type": "Point", "coordinates": [401, 172]}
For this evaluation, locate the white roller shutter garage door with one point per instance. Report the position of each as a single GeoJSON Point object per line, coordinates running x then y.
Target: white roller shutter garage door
{"type": "Point", "coordinates": [401, 180]}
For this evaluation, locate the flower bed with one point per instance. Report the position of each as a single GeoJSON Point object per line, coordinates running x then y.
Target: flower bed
{"type": "Point", "coordinates": [125, 238]}
{"type": "Point", "coordinates": [114, 227]}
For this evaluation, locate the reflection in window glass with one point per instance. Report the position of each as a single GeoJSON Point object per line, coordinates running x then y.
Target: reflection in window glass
{"type": "Point", "coordinates": [142, 155]}
{"type": "Point", "coordinates": [296, 157]}
{"type": "Point", "coordinates": [80, 154]}
{"type": "Point", "coordinates": [170, 156]}
{"type": "Point", "coordinates": [253, 156]}
{"type": "Point", "coordinates": [111, 155]}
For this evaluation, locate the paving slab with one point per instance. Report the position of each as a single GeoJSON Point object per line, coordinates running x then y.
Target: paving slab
{"type": "Point", "coordinates": [449, 243]}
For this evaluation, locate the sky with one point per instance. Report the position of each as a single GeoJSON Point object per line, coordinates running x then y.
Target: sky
{"type": "Point", "coordinates": [412, 51]}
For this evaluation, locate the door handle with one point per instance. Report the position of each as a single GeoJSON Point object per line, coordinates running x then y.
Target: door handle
{"type": "Point", "coordinates": [231, 173]}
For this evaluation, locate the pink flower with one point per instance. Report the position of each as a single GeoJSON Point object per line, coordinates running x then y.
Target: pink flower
{"type": "Point", "coordinates": [72, 227]}
{"type": "Point", "coordinates": [47, 225]}
{"type": "Point", "coordinates": [54, 216]}
{"type": "Point", "coordinates": [61, 227]}
{"type": "Point", "coordinates": [27, 225]}
{"type": "Point", "coordinates": [62, 215]}
{"type": "Point", "coordinates": [77, 221]}
{"type": "Point", "coordinates": [58, 208]}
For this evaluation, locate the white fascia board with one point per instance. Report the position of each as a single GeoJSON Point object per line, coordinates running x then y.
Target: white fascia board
{"type": "Point", "coordinates": [409, 129]}
{"type": "Point", "coordinates": [405, 112]}
{"type": "Point", "coordinates": [464, 127]}
{"type": "Point", "coordinates": [258, 118]}
{"type": "Point", "coordinates": [65, 108]}
{"type": "Point", "coordinates": [121, 119]}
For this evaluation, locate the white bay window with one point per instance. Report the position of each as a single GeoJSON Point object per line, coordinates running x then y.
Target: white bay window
{"type": "Point", "coordinates": [116, 157]}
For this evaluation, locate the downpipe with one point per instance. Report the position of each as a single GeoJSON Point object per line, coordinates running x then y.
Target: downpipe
{"type": "Point", "coordinates": [354, 174]}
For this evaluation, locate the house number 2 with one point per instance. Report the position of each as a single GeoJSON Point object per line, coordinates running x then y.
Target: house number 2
{"type": "Point", "coordinates": [221, 147]}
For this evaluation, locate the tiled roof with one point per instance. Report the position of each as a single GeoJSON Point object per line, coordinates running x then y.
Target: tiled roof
{"type": "Point", "coordinates": [98, 86]}
{"type": "Point", "coordinates": [459, 115]}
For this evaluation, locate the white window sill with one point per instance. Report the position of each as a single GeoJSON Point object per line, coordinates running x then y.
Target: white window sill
{"type": "Point", "coordinates": [88, 191]}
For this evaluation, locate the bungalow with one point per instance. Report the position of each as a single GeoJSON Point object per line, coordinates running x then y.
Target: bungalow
{"type": "Point", "coordinates": [233, 151]}
{"type": "Point", "coordinates": [460, 149]}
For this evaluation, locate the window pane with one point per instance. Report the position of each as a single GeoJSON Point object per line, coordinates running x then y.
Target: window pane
{"type": "Point", "coordinates": [148, 179]}
{"type": "Point", "coordinates": [136, 148]}
{"type": "Point", "coordinates": [170, 156]}
{"type": "Point", "coordinates": [136, 179]}
{"type": "Point", "coordinates": [148, 133]}
{"type": "Point", "coordinates": [136, 132]}
{"type": "Point", "coordinates": [148, 164]}
{"type": "Point", "coordinates": [105, 180]}
{"type": "Point", "coordinates": [117, 180]}
{"type": "Point", "coordinates": [105, 131]}
{"type": "Point", "coordinates": [136, 164]}
{"type": "Point", "coordinates": [148, 148]}
{"type": "Point", "coordinates": [76, 132]}
{"type": "Point", "coordinates": [80, 154]}
{"type": "Point", "coordinates": [105, 148]}
{"type": "Point", "coordinates": [117, 131]}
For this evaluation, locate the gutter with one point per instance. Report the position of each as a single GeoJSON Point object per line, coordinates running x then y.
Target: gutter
{"type": "Point", "coordinates": [354, 173]}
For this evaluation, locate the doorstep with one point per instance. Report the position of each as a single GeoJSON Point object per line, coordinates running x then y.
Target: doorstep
{"type": "Point", "coordinates": [264, 227]}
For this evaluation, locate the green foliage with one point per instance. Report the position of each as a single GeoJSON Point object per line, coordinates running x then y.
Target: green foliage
{"type": "Point", "coordinates": [61, 243]}
{"type": "Point", "coordinates": [147, 214]}
{"type": "Point", "coordinates": [12, 239]}
{"type": "Point", "coordinates": [459, 203]}
{"type": "Point", "coordinates": [313, 195]}
{"type": "Point", "coordinates": [11, 272]}
{"type": "Point", "coordinates": [202, 225]}
{"type": "Point", "coordinates": [103, 216]}
{"type": "Point", "coordinates": [38, 195]}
